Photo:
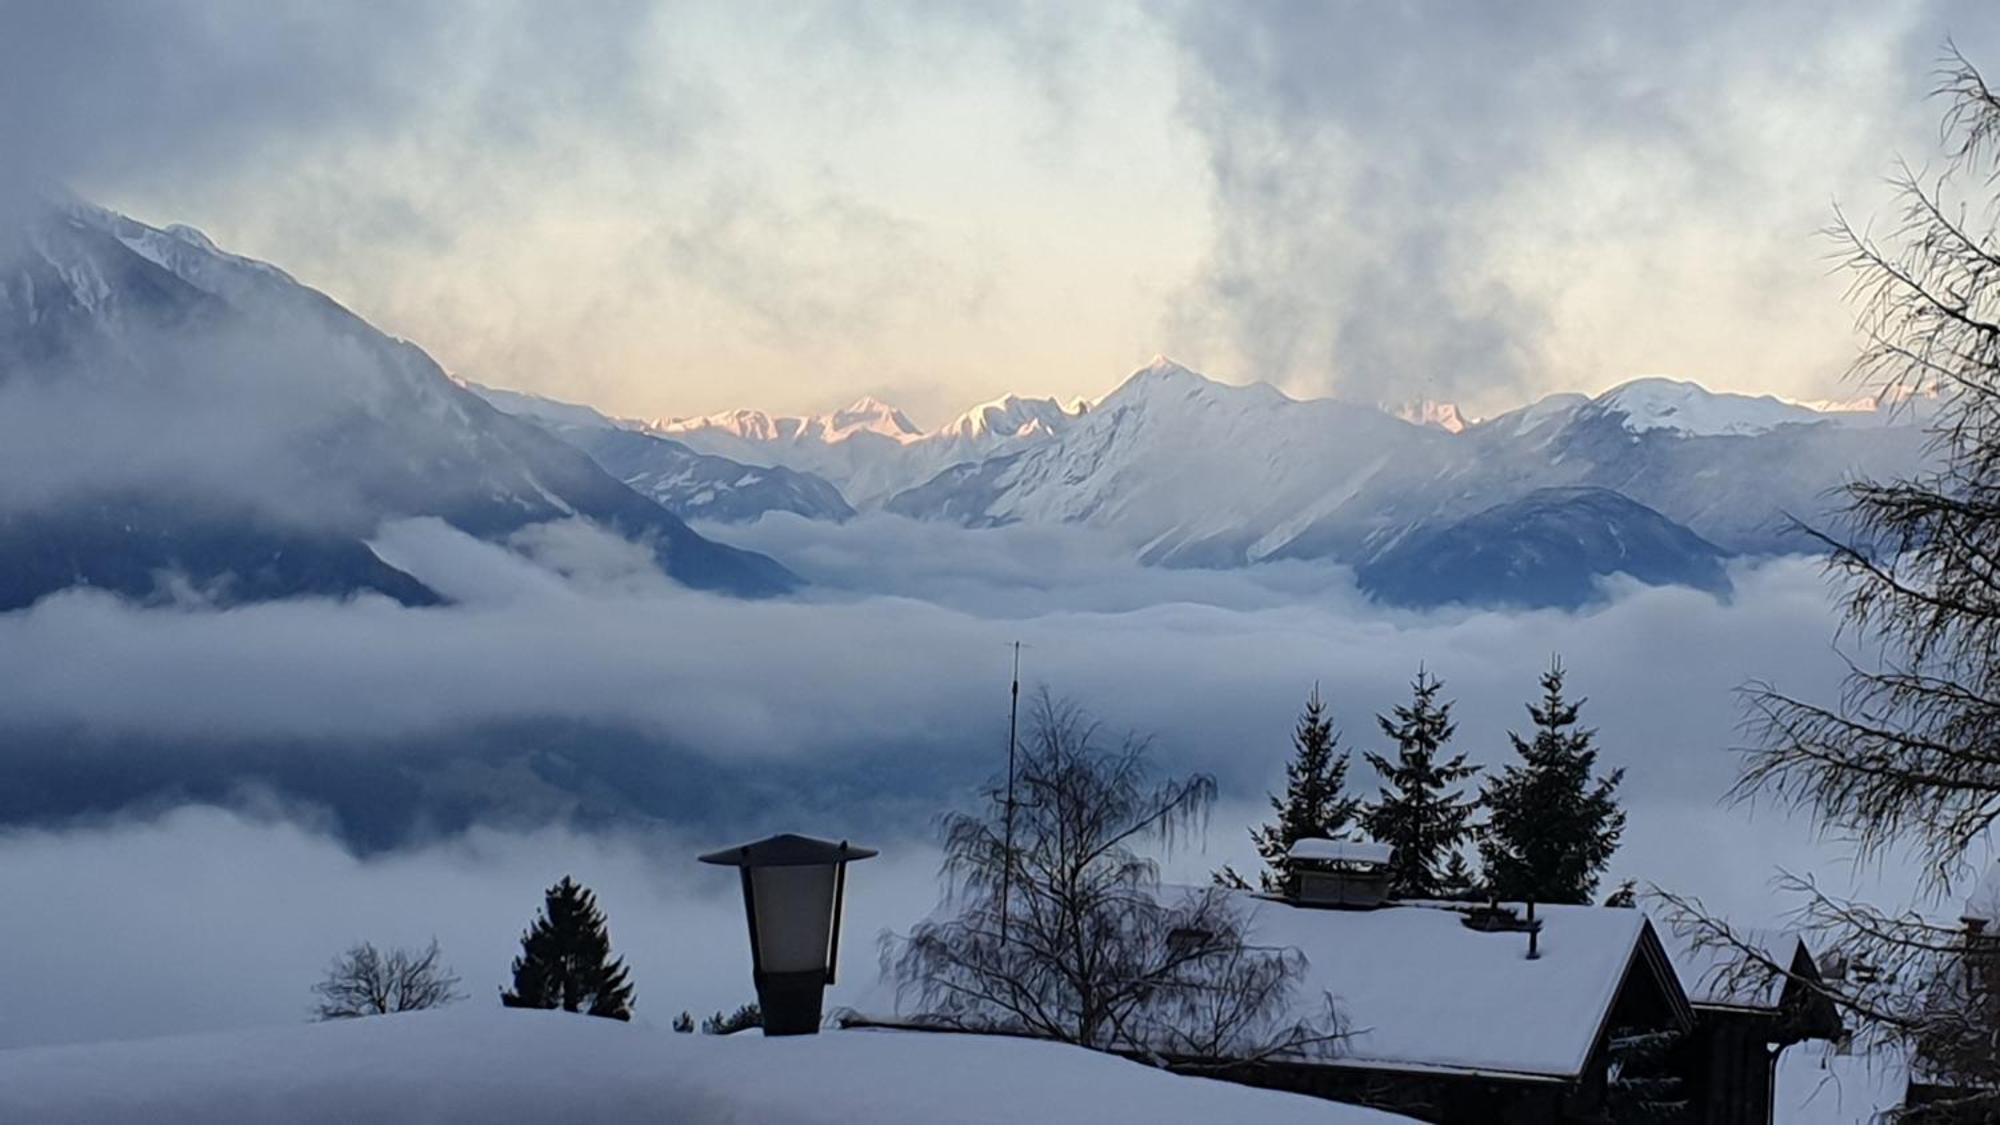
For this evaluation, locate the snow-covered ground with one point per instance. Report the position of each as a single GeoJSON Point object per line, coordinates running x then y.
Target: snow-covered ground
{"type": "Point", "coordinates": [489, 1065]}
{"type": "Point", "coordinates": [1816, 1085]}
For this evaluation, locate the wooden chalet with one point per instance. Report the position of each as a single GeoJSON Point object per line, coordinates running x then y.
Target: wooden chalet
{"type": "Point", "coordinates": [1455, 1013]}
{"type": "Point", "coordinates": [1743, 1023]}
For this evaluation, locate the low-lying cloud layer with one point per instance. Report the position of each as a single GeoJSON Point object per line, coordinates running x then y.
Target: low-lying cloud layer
{"type": "Point", "coordinates": [572, 713]}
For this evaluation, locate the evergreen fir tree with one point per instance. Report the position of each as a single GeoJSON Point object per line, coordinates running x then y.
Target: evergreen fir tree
{"type": "Point", "coordinates": [566, 960]}
{"type": "Point", "coordinates": [1626, 897]}
{"type": "Point", "coordinates": [1552, 827]}
{"type": "Point", "coordinates": [1419, 813]}
{"type": "Point", "coordinates": [1459, 882]}
{"type": "Point", "coordinates": [1315, 804]}
{"type": "Point", "coordinates": [684, 1023]}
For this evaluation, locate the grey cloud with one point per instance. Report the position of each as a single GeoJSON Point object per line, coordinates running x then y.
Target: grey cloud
{"type": "Point", "coordinates": [216, 415]}
{"type": "Point", "coordinates": [107, 89]}
{"type": "Point", "coordinates": [105, 92]}
{"type": "Point", "coordinates": [906, 695]}
{"type": "Point", "coordinates": [1376, 166]}
{"type": "Point", "coordinates": [560, 680]}
{"type": "Point", "coordinates": [837, 271]}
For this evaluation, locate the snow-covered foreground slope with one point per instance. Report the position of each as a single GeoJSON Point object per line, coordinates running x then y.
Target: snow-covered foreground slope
{"type": "Point", "coordinates": [490, 1065]}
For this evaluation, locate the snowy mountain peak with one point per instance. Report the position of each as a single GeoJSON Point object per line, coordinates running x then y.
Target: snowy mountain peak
{"type": "Point", "coordinates": [1013, 416]}
{"type": "Point", "coordinates": [1429, 412]}
{"type": "Point", "coordinates": [192, 237]}
{"type": "Point", "coordinates": [866, 415]}
{"type": "Point", "coordinates": [1160, 369]}
{"type": "Point", "coordinates": [872, 415]}
{"type": "Point", "coordinates": [1164, 380]}
{"type": "Point", "coordinates": [1692, 410]}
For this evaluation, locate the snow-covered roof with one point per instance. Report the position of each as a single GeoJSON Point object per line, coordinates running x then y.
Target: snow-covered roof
{"type": "Point", "coordinates": [1341, 851]}
{"type": "Point", "coordinates": [485, 1064]}
{"type": "Point", "coordinates": [1420, 990]}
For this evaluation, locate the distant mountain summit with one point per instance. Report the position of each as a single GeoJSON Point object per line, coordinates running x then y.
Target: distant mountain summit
{"type": "Point", "coordinates": [1193, 472]}
{"type": "Point", "coordinates": [181, 418]}
{"type": "Point", "coordinates": [689, 484]}
{"type": "Point", "coordinates": [1012, 417]}
{"type": "Point", "coordinates": [1551, 547]}
{"type": "Point", "coordinates": [866, 415]}
{"type": "Point", "coordinates": [1426, 412]}
{"type": "Point", "coordinates": [1692, 410]}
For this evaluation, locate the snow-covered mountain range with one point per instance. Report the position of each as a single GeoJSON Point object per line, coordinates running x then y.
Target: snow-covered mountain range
{"type": "Point", "coordinates": [691, 485]}
{"type": "Point", "coordinates": [176, 419]}
{"type": "Point", "coordinates": [246, 435]}
{"type": "Point", "coordinates": [870, 450]}
{"type": "Point", "coordinates": [1194, 472]}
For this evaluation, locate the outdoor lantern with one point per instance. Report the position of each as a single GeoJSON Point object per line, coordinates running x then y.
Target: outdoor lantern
{"type": "Point", "coordinates": [792, 887]}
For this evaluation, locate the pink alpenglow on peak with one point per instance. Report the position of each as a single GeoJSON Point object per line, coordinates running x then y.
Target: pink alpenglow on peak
{"type": "Point", "coordinates": [1429, 412]}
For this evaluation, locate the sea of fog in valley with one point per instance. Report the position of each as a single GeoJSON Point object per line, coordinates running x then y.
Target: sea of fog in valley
{"type": "Point", "coordinates": [212, 802]}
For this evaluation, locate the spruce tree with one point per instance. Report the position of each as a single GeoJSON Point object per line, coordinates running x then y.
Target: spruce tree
{"type": "Point", "coordinates": [1315, 804]}
{"type": "Point", "coordinates": [1420, 813]}
{"type": "Point", "coordinates": [1552, 826]}
{"type": "Point", "coordinates": [566, 960]}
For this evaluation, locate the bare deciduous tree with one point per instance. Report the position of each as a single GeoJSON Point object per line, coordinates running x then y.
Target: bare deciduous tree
{"type": "Point", "coordinates": [1909, 755]}
{"type": "Point", "coordinates": [1067, 934]}
{"type": "Point", "coordinates": [365, 981]}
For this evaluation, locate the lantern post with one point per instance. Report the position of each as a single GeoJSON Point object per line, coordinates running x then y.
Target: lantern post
{"type": "Point", "coordinates": [793, 888]}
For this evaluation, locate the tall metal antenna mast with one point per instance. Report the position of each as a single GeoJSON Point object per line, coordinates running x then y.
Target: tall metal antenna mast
{"type": "Point", "coordinates": [1007, 858]}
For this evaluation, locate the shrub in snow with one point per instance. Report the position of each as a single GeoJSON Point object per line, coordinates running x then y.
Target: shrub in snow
{"type": "Point", "coordinates": [364, 981]}
{"type": "Point", "coordinates": [742, 1019]}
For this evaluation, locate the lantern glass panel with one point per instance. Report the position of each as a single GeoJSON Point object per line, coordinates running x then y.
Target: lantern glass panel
{"type": "Point", "coordinates": [794, 916]}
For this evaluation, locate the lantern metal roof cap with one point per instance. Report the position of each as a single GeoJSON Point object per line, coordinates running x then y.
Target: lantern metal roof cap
{"type": "Point", "coordinates": [788, 850]}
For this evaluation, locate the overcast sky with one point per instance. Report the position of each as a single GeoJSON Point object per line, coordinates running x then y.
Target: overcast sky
{"type": "Point", "coordinates": [677, 208]}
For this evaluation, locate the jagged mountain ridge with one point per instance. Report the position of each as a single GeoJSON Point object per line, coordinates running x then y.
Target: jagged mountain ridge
{"type": "Point", "coordinates": [1548, 548]}
{"type": "Point", "coordinates": [870, 450]}
{"type": "Point", "coordinates": [689, 484]}
{"type": "Point", "coordinates": [1190, 471]}
{"type": "Point", "coordinates": [258, 432]}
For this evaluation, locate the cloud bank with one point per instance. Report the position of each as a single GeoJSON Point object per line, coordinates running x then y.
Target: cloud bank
{"type": "Point", "coordinates": [198, 783]}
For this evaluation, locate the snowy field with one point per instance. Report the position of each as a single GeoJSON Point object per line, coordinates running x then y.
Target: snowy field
{"type": "Point", "coordinates": [493, 1065]}
{"type": "Point", "coordinates": [1818, 1086]}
